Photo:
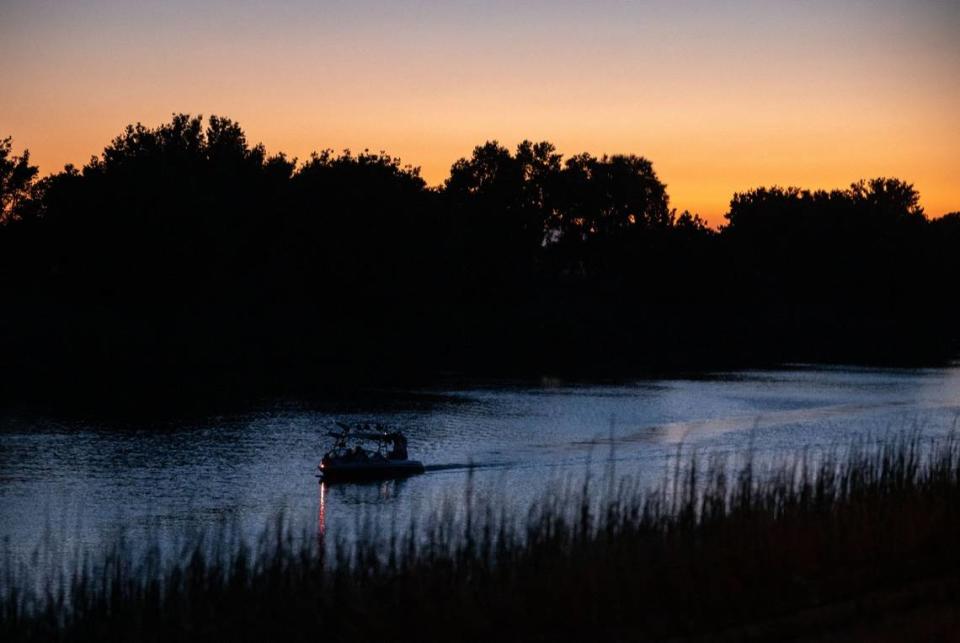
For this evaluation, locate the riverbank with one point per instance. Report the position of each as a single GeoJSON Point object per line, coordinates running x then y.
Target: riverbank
{"type": "Point", "coordinates": [845, 546]}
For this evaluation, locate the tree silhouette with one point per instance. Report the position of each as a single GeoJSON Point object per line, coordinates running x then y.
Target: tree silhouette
{"type": "Point", "coordinates": [182, 253]}
{"type": "Point", "coordinates": [16, 181]}
{"type": "Point", "coordinates": [505, 196]}
{"type": "Point", "coordinates": [604, 196]}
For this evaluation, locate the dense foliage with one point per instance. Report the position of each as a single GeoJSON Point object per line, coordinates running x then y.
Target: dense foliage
{"type": "Point", "coordinates": [182, 250]}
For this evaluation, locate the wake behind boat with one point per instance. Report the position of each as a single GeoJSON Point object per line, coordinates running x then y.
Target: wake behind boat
{"type": "Point", "coordinates": [365, 452]}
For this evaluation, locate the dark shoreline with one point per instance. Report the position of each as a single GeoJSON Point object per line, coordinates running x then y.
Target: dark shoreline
{"type": "Point", "coordinates": [184, 262]}
{"type": "Point", "coordinates": [171, 393]}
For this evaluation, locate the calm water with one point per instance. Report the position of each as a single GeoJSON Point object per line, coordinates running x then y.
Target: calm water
{"type": "Point", "coordinates": [77, 483]}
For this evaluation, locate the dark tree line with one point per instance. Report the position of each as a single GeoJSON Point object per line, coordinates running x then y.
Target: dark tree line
{"type": "Point", "coordinates": [182, 253]}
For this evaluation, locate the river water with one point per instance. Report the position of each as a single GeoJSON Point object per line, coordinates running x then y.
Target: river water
{"type": "Point", "coordinates": [75, 484]}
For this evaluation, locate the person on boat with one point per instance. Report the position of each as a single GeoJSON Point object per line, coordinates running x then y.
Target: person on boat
{"type": "Point", "coordinates": [399, 450]}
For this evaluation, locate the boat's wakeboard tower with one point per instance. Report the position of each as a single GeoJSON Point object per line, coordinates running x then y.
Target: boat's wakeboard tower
{"type": "Point", "coordinates": [371, 433]}
{"type": "Point", "coordinates": [367, 451]}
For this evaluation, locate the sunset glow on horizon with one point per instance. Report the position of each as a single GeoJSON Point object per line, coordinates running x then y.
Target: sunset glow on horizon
{"type": "Point", "coordinates": [720, 98]}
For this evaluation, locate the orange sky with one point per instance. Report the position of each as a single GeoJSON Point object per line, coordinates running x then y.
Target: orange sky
{"type": "Point", "coordinates": [720, 98]}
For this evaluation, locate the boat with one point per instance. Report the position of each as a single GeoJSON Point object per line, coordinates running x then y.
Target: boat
{"type": "Point", "coordinates": [367, 452]}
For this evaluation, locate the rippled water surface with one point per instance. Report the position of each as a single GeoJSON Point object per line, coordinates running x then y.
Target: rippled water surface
{"type": "Point", "coordinates": [79, 482]}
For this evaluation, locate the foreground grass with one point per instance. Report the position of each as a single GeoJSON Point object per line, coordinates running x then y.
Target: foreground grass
{"type": "Point", "coordinates": [862, 545]}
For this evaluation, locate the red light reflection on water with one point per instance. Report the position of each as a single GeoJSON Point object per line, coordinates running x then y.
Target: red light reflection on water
{"type": "Point", "coordinates": [322, 512]}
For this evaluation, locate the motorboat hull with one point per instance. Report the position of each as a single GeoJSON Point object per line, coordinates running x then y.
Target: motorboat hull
{"type": "Point", "coordinates": [334, 471]}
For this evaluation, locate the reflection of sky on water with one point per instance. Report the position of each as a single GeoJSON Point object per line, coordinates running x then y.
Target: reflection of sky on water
{"type": "Point", "coordinates": [82, 481]}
